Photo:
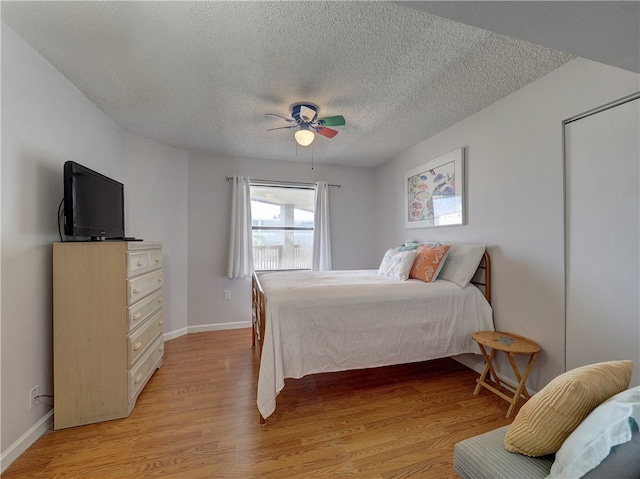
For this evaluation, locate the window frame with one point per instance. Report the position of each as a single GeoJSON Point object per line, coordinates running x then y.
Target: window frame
{"type": "Point", "coordinates": [278, 228]}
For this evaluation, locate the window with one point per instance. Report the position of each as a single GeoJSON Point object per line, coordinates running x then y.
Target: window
{"type": "Point", "coordinates": [282, 226]}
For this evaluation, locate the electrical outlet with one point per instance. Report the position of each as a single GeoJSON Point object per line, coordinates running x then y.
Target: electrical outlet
{"type": "Point", "coordinates": [226, 295]}
{"type": "Point", "coordinates": [33, 396]}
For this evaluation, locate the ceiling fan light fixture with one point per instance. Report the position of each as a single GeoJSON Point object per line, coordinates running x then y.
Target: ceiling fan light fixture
{"type": "Point", "coordinates": [304, 137]}
{"type": "Point", "coordinates": [304, 117]}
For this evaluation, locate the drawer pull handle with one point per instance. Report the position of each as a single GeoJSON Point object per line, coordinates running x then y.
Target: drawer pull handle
{"type": "Point", "coordinates": [160, 299]}
{"type": "Point", "coordinates": [140, 262]}
{"type": "Point", "coordinates": [136, 290]}
{"type": "Point", "coordinates": [161, 322]}
{"type": "Point", "coordinates": [137, 379]}
{"type": "Point", "coordinates": [137, 346]}
{"type": "Point", "coordinates": [157, 260]}
{"type": "Point", "coordinates": [137, 315]}
{"type": "Point", "coordinates": [160, 279]}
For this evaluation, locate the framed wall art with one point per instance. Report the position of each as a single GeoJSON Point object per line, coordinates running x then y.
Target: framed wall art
{"type": "Point", "coordinates": [434, 192]}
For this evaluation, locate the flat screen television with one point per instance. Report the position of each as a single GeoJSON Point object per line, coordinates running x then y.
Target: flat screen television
{"type": "Point", "coordinates": [93, 204]}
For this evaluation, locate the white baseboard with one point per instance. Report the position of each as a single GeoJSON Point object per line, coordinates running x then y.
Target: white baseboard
{"type": "Point", "coordinates": [219, 327]}
{"type": "Point", "coordinates": [203, 328]}
{"type": "Point", "coordinates": [472, 361]}
{"type": "Point", "coordinates": [22, 444]}
{"type": "Point", "coordinates": [476, 362]}
{"type": "Point", "coordinates": [175, 334]}
{"type": "Point", "coordinates": [46, 422]}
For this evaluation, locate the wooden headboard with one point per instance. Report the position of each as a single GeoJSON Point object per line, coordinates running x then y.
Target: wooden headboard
{"type": "Point", "coordinates": [482, 276]}
{"type": "Point", "coordinates": [258, 306]}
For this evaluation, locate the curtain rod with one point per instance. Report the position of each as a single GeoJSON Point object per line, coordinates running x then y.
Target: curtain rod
{"type": "Point", "coordinates": [277, 182]}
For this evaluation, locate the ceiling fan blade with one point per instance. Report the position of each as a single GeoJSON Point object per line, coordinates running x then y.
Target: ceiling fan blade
{"type": "Point", "coordinates": [282, 127]}
{"type": "Point", "coordinates": [337, 120]}
{"type": "Point", "coordinates": [290, 120]}
{"type": "Point", "coordinates": [328, 132]}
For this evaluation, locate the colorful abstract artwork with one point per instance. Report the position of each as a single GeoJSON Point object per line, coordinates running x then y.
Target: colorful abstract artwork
{"type": "Point", "coordinates": [434, 192]}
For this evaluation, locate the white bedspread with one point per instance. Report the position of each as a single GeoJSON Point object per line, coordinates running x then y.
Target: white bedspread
{"type": "Point", "coordinates": [341, 320]}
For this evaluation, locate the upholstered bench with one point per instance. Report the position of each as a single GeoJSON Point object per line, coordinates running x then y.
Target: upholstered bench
{"type": "Point", "coordinates": [582, 425]}
{"type": "Point", "coordinates": [484, 457]}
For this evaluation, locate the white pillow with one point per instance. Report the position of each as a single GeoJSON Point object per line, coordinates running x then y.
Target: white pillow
{"type": "Point", "coordinates": [462, 262]}
{"type": "Point", "coordinates": [397, 264]}
{"type": "Point", "coordinates": [407, 247]}
{"type": "Point", "coordinates": [605, 427]}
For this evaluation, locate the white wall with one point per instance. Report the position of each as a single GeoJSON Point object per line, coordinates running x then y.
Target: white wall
{"type": "Point", "coordinates": [46, 121]}
{"type": "Point", "coordinates": [515, 198]}
{"type": "Point", "coordinates": [352, 229]}
{"type": "Point", "coordinates": [156, 193]}
{"type": "Point", "coordinates": [603, 307]}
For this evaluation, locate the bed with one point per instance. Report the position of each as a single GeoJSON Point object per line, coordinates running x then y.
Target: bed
{"type": "Point", "coordinates": [308, 322]}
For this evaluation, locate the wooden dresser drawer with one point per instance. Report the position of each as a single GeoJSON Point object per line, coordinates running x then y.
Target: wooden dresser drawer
{"type": "Point", "coordinates": [155, 259]}
{"type": "Point", "coordinates": [139, 262]}
{"type": "Point", "coordinates": [139, 341]}
{"type": "Point", "coordinates": [138, 288]}
{"type": "Point", "coordinates": [142, 371]}
{"type": "Point", "coordinates": [139, 312]}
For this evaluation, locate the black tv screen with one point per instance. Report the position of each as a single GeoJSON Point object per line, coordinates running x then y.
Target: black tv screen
{"type": "Point", "coordinates": [93, 203]}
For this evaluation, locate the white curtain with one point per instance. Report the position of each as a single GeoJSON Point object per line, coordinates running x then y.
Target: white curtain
{"type": "Point", "coordinates": [321, 260]}
{"type": "Point", "coordinates": [240, 247]}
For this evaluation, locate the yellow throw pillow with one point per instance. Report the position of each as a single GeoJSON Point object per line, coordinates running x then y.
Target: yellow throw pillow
{"type": "Point", "coordinates": [551, 415]}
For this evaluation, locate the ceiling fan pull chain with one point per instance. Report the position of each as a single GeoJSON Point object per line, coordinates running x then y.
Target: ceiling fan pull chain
{"type": "Point", "coordinates": [312, 157]}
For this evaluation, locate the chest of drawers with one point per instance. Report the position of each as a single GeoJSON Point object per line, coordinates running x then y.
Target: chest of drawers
{"type": "Point", "coordinates": [107, 327]}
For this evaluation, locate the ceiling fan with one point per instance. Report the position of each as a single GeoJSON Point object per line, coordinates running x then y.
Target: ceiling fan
{"type": "Point", "coordinates": [304, 117]}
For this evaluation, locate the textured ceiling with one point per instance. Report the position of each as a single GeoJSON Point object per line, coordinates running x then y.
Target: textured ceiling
{"type": "Point", "coordinates": [604, 31]}
{"type": "Point", "coordinates": [202, 75]}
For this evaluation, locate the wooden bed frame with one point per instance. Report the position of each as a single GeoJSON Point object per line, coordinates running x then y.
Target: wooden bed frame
{"type": "Point", "coordinates": [481, 278]}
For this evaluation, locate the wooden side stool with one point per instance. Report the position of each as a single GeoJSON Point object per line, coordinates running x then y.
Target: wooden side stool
{"type": "Point", "coordinates": [511, 345]}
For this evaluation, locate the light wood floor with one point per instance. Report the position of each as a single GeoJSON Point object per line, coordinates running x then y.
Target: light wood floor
{"type": "Point", "coordinates": [197, 419]}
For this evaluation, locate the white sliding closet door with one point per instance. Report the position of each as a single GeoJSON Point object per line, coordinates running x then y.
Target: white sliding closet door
{"type": "Point", "coordinates": [602, 182]}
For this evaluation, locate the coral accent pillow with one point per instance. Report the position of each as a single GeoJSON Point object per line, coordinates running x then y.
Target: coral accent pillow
{"type": "Point", "coordinates": [550, 416]}
{"type": "Point", "coordinates": [428, 263]}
